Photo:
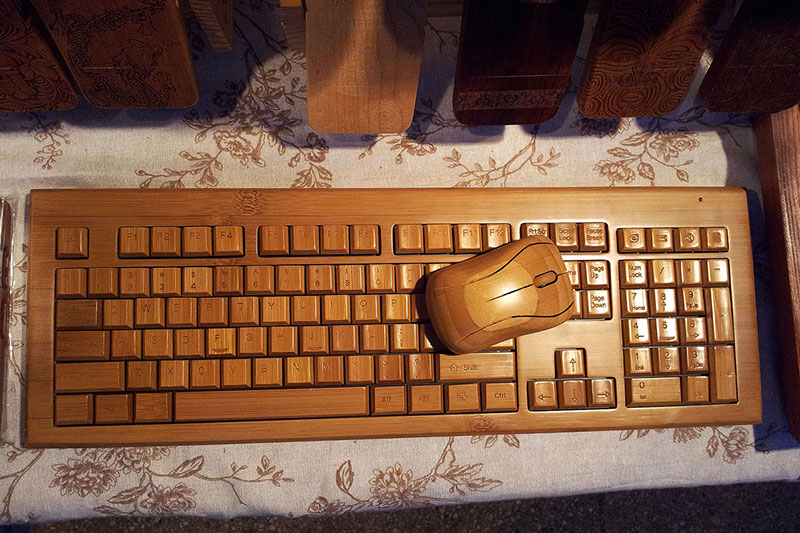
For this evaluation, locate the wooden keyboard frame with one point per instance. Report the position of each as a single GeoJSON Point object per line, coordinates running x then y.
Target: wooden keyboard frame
{"type": "Point", "coordinates": [104, 211]}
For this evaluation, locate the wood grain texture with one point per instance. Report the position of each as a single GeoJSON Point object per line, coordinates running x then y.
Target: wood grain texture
{"type": "Point", "coordinates": [293, 22]}
{"type": "Point", "coordinates": [644, 55]}
{"type": "Point", "coordinates": [103, 212]}
{"type": "Point", "coordinates": [778, 142]}
{"type": "Point", "coordinates": [31, 78]}
{"type": "Point", "coordinates": [514, 60]}
{"type": "Point", "coordinates": [363, 64]}
{"type": "Point", "coordinates": [757, 68]}
{"type": "Point", "coordinates": [124, 53]}
{"type": "Point", "coordinates": [216, 19]}
{"type": "Point", "coordinates": [519, 288]}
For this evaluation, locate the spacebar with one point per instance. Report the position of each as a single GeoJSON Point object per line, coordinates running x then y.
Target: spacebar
{"type": "Point", "coordinates": [270, 404]}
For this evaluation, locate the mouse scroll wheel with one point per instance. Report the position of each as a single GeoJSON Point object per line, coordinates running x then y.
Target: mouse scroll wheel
{"type": "Point", "coordinates": [544, 279]}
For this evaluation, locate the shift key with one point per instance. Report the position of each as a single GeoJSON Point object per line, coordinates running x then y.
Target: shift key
{"type": "Point", "coordinates": [477, 367]}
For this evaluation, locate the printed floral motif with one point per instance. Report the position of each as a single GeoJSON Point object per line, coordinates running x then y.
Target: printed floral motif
{"type": "Point", "coordinates": [734, 443]}
{"type": "Point", "coordinates": [50, 135]}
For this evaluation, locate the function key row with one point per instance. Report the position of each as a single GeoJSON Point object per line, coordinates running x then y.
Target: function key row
{"type": "Point", "coordinates": [173, 241]}
{"type": "Point", "coordinates": [329, 239]}
{"type": "Point", "coordinates": [638, 240]}
{"type": "Point", "coordinates": [571, 236]}
{"type": "Point", "coordinates": [449, 238]}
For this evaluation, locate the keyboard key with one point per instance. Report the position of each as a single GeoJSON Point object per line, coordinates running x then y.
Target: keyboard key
{"type": "Point", "coordinates": [166, 281]}
{"type": "Point", "coordinates": [366, 309]}
{"type": "Point", "coordinates": [408, 239]}
{"type": "Point", "coordinates": [244, 311]}
{"type": "Point", "coordinates": [72, 243]}
{"type": "Point", "coordinates": [498, 397]}
{"type": "Point", "coordinates": [643, 392]}
{"type": "Point", "coordinates": [419, 310]}
{"type": "Point", "coordinates": [594, 274]}
{"type": "Point", "coordinates": [593, 237]}
{"type": "Point", "coordinates": [197, 241]}
{"type": "Point", "coordinates": [304, 240]}
{"type": "Point", "coordinates": [157, 344]}
{"type": "Point", "coordinates": [189, 343]}
{"type": "Point", "coordinates": [635, 332]}
{"type": "Point", "coordinates": [142, 375]}
{"type": "Point", "coordinates": [419, 367]}
{"type": "Point", "coordinates": [666, 361]}
{"type": "Point", "coordinates": [565, 236]}
{"type": "Point", "coordinates": [344, 339]}
{"type": "Point", "coordinates": [252, 341]}
{"type": "Point", "coordinates": [235, 373]}
{"type": "Point", "coordinates": [410, 277]}
{"type": "Point", "coordinates": [197, 281]}
{"type": "Point", "coordinates": [220, 342]}
{"type": "Point", "coordinates": [71, 283]}
{"type": "Point", "coordinates": [692, 330]}
{"type": "Point", "coordinates": [695, 389]}
{"type": "Point", "coordinates": [694, 359]}
{"type": "Point", "coordinates": [360, 369]}
{"type": "Point", "coordinates": [571, 393]}
{"type": "Point", "coordinates": [82, 345]}
{"type": "Point", "coordinates": [299, 371]}
{"type": "Point", "coordinates": [212, 312]}
{"type": "Point", "coordinates": [228, 241]}
{"type": "Point", "coordinates": [259, 280]}
{"type": "Point", "coordinates": [365, 239]}
{"type": "Point", "coordinates": [204, 374]}
{"type": "Point", "coordinates": [463, 398]}
{"type": "Point", "coordinates": [74, 410]}
{"type": "Point", "coordinates": [113, 409]}
{"type": "Point", "coordinates": [631, 240]}
{"type": "Point", "coordinates": [530, 229]}
{"type": "Point", "coordinates": [687, 239]}
{"type": "Point", "coordinates": [103, 283]}
{"type": "Point", "coordinates": [633, 274]}
{"type": "Point", "coordinates": [313, 340]}
{"type": "Point", "coordinates": [271, 404]}
{"type": "Point", "coordinates": [90, 377]}
{"type": "Point", "coordinates": [268, 372]}
{"type": "Point", "coordinates": [494, 235]}
{"type": "Point", "coordinates": [664, 331]}
{"type": "Point", "coordinates": [389, 368]}
{"type": "Point", "coordinates": [659, 239]}
{"type": "Point", "coordinates": [290, 279]}
{"type": "Point", "coordinates": [720, 315]}
{"type": "Point", "coordinates": [282, 340]}
{"type": "Point", "coordinates": [722, 373]}
{"type": "Point", "coordinates": [350, 279]}
{"type": "Point", "coordinates": [396, 308]}
{"type": "Point", "coordinates": [305, 310]}
{"type": "Point", "coordinates": [602, 393]}
{"type": "Point", "coordinates": [389, 400]}
{"type": "Point", "coordinates": [715, 273]}
{"type": "Point", "coordinates": [404, 338]}
{"type": "Point", "coordinates": [117, 314]}
{"type": "Point", "coordinates": [715, 239]}
{"type": "Point", "coordinates": [228, 281]}
{"type": "Point", "coordinates": [476, 367]}
{"type": "Point", "coordinates": [275, 311]}
{"type": "Point", "coordinates": [663, 302]}
{"type": "Point", "coordinates": [374, 338]}
{"type": "Point", "coordinates": [273, 240]}
{"type": "Point", "coordinates": [165, 242]}
{"type": "Point", "coordinates": [134, 282]}
{"type": "Point", "coordinates": [126, 344]}
{"type": "Point", "coordinates": [661, 273]}
{"type": "Point", "coordinates": [173, 375]}
{"type": "Point", "coordinates": [428, 341]}
{"type": "Point", "coordinates": [574, 273]}
{"type": "Point", "coordinates": [542, 395]}
{"type": "Point", "coordinates": [596, 304]}
{"type": "Point", "coordinates": [335, 240]}
{"type": "Point", "coordinates": [570, 363]}
{"type": "Point", "coordinates": [577, 305]}
{"type": "Point", "coordinates": [438, 238]}
{"type": "Point", "coordinates": [150, 312]}
{"type": "Point", "coordinates": [690, 301]}
{"type": "Point", "coordinates": [330, 370]}
{"type": "Point", "coordinates": [634, 303]}
{"type": "Point", "coordinates": [181, 312]}
{"type": "Point", "coordinates": [467, 238]}
{"type": "Point", "coordinates": [134, 242]}
{"type": "Point", "coordinates": [335, 309]}
{"type": "Point", "coordinates": [320, 279]}
{"type": "Point", "coordinates": [425, 399]}
{"type": "Point", "coordinates": [380, 278]}
{"type": "Point", "coordinates": [152, 407]}
{"type": "Point", "coordinates": [637, 361]}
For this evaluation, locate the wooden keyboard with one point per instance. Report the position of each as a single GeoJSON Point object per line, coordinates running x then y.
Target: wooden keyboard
{"type": "Point", "coordinates": [240, 315]}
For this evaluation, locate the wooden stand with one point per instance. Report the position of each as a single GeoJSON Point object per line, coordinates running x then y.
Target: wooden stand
{"type": "Point", "coordinates": [778, 140]}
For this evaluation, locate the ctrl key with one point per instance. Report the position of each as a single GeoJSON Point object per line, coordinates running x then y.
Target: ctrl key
{"type": "Point", "coordinates": [153, 407]}
{"type": "Point", "coordinates": [74, 410]}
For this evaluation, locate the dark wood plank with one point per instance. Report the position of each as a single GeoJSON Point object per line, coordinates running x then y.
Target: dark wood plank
{"type": "Point", "coordinates": [514, 60]}
{"type": "Point", "coordinates": [757, 68]}
{"type": "Point", "coordinates": [778, 141]}
{"type": "Point", "coordinates": [124, 53]}
{"type": "Point", "coordinates": [644, 55]}
{"type": "Point", "coordinates": [30, 77]}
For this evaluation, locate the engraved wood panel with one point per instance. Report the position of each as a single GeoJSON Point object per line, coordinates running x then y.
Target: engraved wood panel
{"type": "Point", "coordinates": [30, 77]}
{"type": "Point", "coordinates": [124, 53]}
{"type": "Point", "coordinates": [216, 19]}
{"type": "Point", "coordinates": [757, 68]}
{"type": "Point", "coordinates": [514, 60]}
{"type": "Point", "coordinates": [643, 56]}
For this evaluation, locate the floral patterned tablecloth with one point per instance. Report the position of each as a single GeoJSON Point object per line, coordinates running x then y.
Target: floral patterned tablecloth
{"type": "Point", "coordinates": [249, 130]}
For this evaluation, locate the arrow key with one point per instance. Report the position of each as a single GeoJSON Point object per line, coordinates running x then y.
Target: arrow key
{"type": "Point", "coordinates": [570, 362]}
{"type": "Point", "coordinates": [572, 393]}
{"type": "Point", "coordinates": [602, 393]}
{"type": "Point", "coordinates": [542, 395]}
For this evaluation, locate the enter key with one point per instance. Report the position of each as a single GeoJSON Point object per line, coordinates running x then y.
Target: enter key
{"type": "Point", "coordinates": [477, 367]}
